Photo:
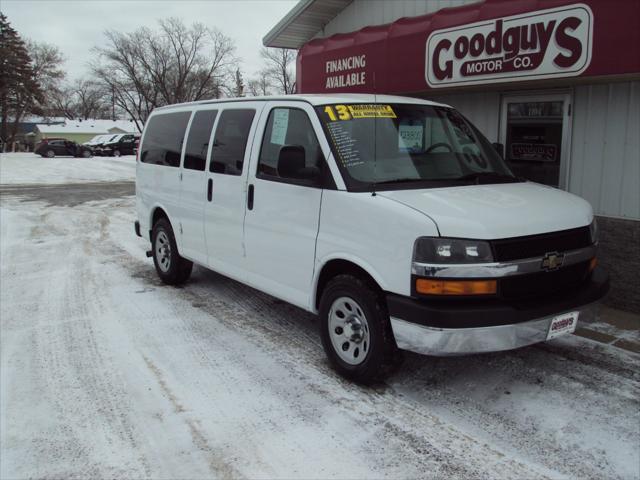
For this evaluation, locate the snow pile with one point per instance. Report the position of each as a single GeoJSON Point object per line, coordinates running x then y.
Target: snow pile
{"type": "Point", "coordinates": [29, 169]}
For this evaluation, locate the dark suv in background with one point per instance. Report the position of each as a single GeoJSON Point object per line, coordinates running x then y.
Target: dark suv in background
{"type": "Point", "coordinates": [124, 144]}
{"type": "Point", "coordinates": [50, 147]}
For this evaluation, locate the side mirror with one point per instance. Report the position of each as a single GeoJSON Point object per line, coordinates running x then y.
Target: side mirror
{"type": "Point", "coordinates": [292, 165]}
{"type": "Point", "coordinates": [499, 148]}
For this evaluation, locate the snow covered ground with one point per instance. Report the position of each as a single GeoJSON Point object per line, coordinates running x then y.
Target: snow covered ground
{"type": "Point", "coordinates": [29, 168]}
{"type": "Point", "coordinates": [105, 372]}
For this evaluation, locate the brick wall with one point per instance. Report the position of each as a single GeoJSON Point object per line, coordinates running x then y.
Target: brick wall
{"type": "Point", "coordinates": [619, 254]}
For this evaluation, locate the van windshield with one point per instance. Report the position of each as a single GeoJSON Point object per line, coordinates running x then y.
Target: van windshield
{"type": "Point", "coordinates": [390, 146]}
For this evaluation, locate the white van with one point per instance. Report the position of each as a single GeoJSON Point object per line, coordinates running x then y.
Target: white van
{"type": "Point", "coordinates": [391, 218]}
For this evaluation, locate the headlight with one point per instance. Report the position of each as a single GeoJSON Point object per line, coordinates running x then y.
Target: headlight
{"type": "Point", "coordinates": [451, 251]}
{"type": "Point", "coordinates": [593, 230]}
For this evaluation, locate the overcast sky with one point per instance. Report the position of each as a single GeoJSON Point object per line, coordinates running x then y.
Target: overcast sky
{"type": "Point", "coordinates": [76, 26]}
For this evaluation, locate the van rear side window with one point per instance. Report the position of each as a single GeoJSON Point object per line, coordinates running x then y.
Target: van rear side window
{"type": "Point", "coordinates": [163, 139]}
{"type": "Point", "coordinates": [195, 156]}
{"type": "Point", "coordinates": [231, 141]}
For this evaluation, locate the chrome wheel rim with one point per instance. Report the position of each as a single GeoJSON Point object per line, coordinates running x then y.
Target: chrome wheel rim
{"type": "Point", "coordinates": [349, 331]}
{"type": "Point", "coordinates": [116, 153]}
{"type": "Point", "coordinates": [163, 251]}
{"type": "Point", "coordinates": [50, 153]}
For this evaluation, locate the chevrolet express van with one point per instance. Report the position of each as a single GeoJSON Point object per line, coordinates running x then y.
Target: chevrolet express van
{"type": "Point", "coordinates": [392, 218]}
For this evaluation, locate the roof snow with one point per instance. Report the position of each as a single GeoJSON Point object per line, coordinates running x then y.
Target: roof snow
{"type": "Point", "coordinates": [90, 126]}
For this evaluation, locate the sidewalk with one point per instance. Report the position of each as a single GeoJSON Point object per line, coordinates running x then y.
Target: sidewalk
{"type": "Point", "coordinates": [613, 327]}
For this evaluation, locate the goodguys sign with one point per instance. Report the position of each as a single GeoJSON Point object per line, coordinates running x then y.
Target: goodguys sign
{"type": "Point", "coordinates": [544, 44]}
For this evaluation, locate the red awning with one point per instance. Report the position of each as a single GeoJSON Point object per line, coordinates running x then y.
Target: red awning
{"type": "Point", "coordinates": [494, 41]}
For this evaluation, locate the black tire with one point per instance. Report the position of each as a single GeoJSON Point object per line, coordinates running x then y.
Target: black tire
{"type": "Point", "coordinates": [177, 270]}
{"type": "Point", "coordinates": [86, 153]}
{"type": "Point", "coordinates": [381, 350]}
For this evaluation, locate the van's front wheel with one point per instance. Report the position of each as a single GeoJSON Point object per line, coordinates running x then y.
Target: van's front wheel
{"type": "Point", "coordinates": [171, 267]}
{"type": "Point", "coordinates": [354, 327]}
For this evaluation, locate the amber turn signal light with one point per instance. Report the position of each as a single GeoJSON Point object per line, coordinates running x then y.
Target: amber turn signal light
{"type": "Point", "coordinates": [592, 263]}
{"type": "Point", "coordinates": [429, 286]}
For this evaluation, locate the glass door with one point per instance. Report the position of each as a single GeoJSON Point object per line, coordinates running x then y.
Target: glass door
{"type": "Point", "coordinates": [535, 133]}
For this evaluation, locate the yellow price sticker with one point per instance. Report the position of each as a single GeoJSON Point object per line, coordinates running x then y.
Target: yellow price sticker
{"type": "Point", "coordinates": [347, 112]}
{"type": "Point", "coordinates": [372, 111]}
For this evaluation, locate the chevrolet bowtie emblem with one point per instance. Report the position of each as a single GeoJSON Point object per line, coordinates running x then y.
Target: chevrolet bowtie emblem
{"type": "Point", "coordinates": [552, 261]}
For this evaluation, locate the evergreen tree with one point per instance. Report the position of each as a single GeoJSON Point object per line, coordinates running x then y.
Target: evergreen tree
{"type": "Point", "coordinates": [18, 86]}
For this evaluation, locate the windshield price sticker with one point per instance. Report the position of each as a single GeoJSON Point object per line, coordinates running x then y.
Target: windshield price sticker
{"type": "Point", "coordinates": [410, 138]}
{"type": "Point", "coordinates": [348, 112]}
{"type": "Point", "coordinates": [372, 111]}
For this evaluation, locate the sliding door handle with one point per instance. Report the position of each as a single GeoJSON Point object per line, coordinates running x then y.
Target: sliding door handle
{"type": "Point", "coordinates": [250, 197]}
{"type": "Point", "coordinates": [209, 189]}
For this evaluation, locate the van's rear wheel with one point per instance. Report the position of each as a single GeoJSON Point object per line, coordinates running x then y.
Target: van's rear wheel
{"type": "Point", "coordinates": [171, 267]}
{"type": "Point", "coordinates": [354, 327]}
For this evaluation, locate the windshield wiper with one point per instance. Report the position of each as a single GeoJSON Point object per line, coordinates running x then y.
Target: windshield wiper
{"type": "Point", "coordinates": [401, 180]}
{"type": "Point", "coordinates": [480, 176]}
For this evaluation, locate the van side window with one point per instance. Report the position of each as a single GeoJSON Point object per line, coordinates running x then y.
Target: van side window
{"type": "Point", "coordinates": [195, 155]}
{"type": "Point", "coordinates": [163, 139]}
{"type": "Point", "coordinates": [290, 128]}
{"type": "Point", "coordinates": [232, 132]}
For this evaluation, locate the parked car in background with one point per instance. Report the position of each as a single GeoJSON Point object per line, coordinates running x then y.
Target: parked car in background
{"type": "Point", "coordinates": [124, 144]}
{"type": "Point", "coordinates": [97, 140]}
{"type": "Point", "coordinates": [97, 148]}
{"type": "Point", "coordinates": [50, 147]}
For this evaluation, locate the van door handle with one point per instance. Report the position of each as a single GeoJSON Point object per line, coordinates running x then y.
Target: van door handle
{"type": "Point", "coordinates": [250, 197]}
{"type": "Point", "coordinates": [209, 189]}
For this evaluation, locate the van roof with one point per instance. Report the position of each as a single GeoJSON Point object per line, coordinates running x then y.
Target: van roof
{"type": "Point", "coordinates": [318, 99]}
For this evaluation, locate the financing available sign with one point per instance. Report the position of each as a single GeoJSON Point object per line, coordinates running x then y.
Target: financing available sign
{"type": "Point", "coordinates": [543, 44]}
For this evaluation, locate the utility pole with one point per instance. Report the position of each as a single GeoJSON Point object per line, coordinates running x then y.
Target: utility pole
{"type": "Point", "coordinates": [113, 103]}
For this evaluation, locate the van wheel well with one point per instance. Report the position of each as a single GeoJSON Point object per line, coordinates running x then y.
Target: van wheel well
{"type": "Point", "coordinates": [342, 267]}
{"type": "Point", "coordinates": [158, 213]}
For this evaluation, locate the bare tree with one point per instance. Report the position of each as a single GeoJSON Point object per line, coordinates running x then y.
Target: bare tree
{"type": "Point", "coordinates": [47, 65]}
{"type": "Point", "coordinates": [84, 98]}
{"type": "Point", "coordinates": [150, 68]}
{"type": "Point", "coordinates": [91, 99]}
{"type": "Point", "coordinates": [279, 69]}
{"type": "Point", "coordinates": [61, 103]}
{"type": "Point", "coordinates": [259, 85]}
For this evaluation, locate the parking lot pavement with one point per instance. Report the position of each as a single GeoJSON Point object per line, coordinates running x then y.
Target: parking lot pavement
{"type": "Point", "coordinates": [614, 327]}
{"type": "Point", "coordinates": [106, 372]}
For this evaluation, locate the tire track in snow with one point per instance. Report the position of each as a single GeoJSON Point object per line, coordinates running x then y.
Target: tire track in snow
{"type": "Point", "coordinates": [217, 463]}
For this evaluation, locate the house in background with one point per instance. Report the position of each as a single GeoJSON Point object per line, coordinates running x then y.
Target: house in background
{"type": "Point", "coordinates": [26, 128]}
{"type": "Point", "coordinates": [79, 131]}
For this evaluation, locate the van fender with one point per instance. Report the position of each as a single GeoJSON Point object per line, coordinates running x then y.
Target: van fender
{"type": "Point", "coordinates": [176, 232]}
{"type": "Point", "coordinates": [320, 264]}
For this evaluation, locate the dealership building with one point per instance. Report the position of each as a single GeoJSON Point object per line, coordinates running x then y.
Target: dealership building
{"type": "Point", "coordinates": [556, 82]}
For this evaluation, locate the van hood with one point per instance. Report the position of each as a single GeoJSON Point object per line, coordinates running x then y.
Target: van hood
{"type": "Point", "coordinates": [497, 211]}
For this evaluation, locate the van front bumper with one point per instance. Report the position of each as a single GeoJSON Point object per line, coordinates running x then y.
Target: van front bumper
{"type": "Point", "coordinates": [444, 328]}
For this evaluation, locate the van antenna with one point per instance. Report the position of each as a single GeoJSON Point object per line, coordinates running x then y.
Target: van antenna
{"type": "Point", "coordinates": [375, 136]}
